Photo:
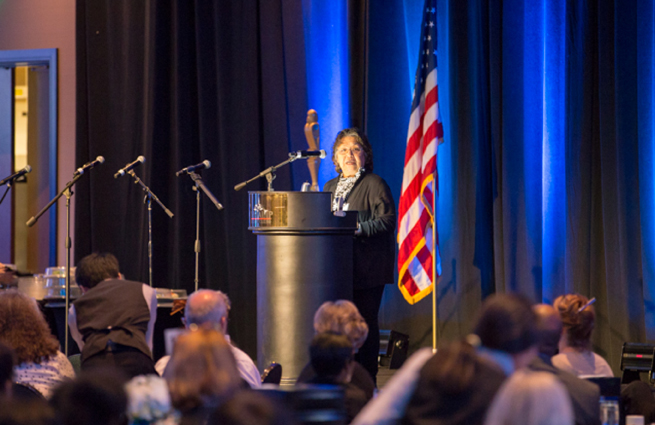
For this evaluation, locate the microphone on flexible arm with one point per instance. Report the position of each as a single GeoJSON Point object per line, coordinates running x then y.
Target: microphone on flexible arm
{"type": "Point", "coordinates": [16, 175]}
{"type": "Point", "coordinates": [140, 160]}
{"type": "Point", "coordinates": [203, 165]}
{"type": "Point", "coordinates": [307, 154]}
{"type": "Point", "coordinates": [89, 165]}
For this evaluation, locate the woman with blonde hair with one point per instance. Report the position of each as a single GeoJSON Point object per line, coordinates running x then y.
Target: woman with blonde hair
{"type": "Point", "coordinates": [201, 374]}
{"type": "Point", "coordinates": [531, 398]}
{"type": "Point", "coordinates": [575, 355]}
{"type": "Point", "coordinates": [343, 317]}
{"type": "Point", "coordinates": [40, 364]}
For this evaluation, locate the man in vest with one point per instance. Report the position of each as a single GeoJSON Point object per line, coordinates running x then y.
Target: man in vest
{"type": "Point", "coordinates": [113, 321]}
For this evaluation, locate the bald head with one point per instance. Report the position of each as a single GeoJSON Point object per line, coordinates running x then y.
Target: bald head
{"type": "Point", "coordinates": [550, 328]}
{"type": "Point", "coordinates": [207, 308]}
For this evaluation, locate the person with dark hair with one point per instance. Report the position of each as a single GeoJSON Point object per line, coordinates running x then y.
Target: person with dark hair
{"type": "Point", "coordinates": [507, 331]}
{"type": "Point", "coordinates": [575, 355]}
{"type": "Point", "coordinates": [358, 189]}
{"type": "Point", "coordinates": [457, 384]}
{"type": "Point", "coordinates": [455, 387]}
{"type": "Point", "coordinates": [7, 362]}
{"type": "Point", "coordinates": [39, 363]}
{"type": "Point", "coordinates": [113, 321]}
{"type": "Point", "coordinates": [584, 395]}
{"type": "Point", "coordinates": [331, 356]}
{"type": "Point", "coordinates": [96, 398]}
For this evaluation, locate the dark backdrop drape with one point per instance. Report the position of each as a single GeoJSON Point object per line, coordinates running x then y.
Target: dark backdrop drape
{"type": "Point", "coordinates": [180, 82]}
{"type": "Point", "coordinates": [546, 173]}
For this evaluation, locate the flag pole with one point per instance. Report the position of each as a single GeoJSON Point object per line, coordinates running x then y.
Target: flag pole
{"type": "Point", "coordinates": [434, 261]}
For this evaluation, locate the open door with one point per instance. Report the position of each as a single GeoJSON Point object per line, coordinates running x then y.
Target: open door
{"type": "Point", "coordinates": [28, 136]}
{"type": "Point", "coordinates": [6, 161]}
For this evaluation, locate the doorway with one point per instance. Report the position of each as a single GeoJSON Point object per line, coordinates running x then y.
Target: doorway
{"type": "Point", "coordinates": [28, 136]}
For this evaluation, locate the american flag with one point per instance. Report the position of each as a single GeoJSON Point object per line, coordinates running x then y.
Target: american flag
{"type": "Point", "coordinates": [415, 213]}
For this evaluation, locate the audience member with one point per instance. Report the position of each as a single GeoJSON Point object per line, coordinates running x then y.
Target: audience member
{"type": "Point", "coordinates": [531, 398]}
{"type": "Point", "coordinates": [455, 387]}
{"type": "Point", "coordinates": [249, 408]}
{"type": "Point", "coordinates": [342, 317]}
{"type": "Point", "coordinates": [95, 397]}
{"type": "Point", "coordinates": [210, 309]}
{"type": "Point", "coordinates": [331, 356]}
{"type": "Point", "coordinates": [201, 374]}
{"type": "Point", "coordinates": [575, 355]}
{"type": "Point", "coordinates": [458, 383]}
{"type": "Point", "coordinates": [39, 363]}
{"type": "Point", "coordinates": [113, 321]}
{"type": "Point", "coordinates": [638, 399]}
{"type": "Point", "coordinates": [507, 329]}
{"type": "Point", "coordinates": [7, 363]}
{"type": "Point", "coordinates": [584, 395]}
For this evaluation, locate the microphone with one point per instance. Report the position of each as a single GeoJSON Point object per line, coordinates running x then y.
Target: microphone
{"type": "Point", "coordinates": [140, 160]}
{"type": "Point", "coordinates": [16, 175]}
{"type": "Point", "coordinates": [204, 164]}
{"type": "Point", "coordinates": [307, 154]}
{"type": "Point", "coordinates": [89, 165]}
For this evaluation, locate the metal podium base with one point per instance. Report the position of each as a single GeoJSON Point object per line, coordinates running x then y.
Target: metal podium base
{"type": "Point", "coordinates": [295, 275]}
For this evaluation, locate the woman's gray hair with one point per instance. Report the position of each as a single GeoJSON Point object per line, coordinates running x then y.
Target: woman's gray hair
{"type": "Point", "coordinates": [343, 317]}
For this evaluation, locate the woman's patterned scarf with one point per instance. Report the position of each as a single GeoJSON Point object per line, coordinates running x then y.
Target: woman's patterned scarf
{"type": "Point", "coordinates": [344, 186]}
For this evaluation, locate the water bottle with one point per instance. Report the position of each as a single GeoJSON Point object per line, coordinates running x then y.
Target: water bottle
{"type": "Point", "coordinates": [609, 411]}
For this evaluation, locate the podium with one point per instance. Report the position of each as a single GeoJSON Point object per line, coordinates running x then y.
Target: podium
{"type": "Point", "coordinates": [304, 258]}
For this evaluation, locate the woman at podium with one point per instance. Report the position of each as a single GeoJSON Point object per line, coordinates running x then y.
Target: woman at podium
{"type": "Point", "coordinates": [358, 189]}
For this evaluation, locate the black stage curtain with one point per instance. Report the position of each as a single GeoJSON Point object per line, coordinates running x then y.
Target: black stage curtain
{"type": "Point", "coordinates": [182, 81]}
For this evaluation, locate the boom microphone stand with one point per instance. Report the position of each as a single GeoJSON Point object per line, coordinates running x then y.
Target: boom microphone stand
{"type": "Point", "coordinates": [148, 200]}
{"type": "Point", "coordinates": [199, 185]}
{"type": "Point", "coordinates": [68, 192]}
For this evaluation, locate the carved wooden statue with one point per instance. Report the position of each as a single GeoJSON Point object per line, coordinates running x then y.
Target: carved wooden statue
{"type": "Point", "coordinates": [313, 136]}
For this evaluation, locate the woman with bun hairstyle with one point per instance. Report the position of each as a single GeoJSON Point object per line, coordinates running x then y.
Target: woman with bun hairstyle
{"type": "Point", "coordinates": [575, 355]}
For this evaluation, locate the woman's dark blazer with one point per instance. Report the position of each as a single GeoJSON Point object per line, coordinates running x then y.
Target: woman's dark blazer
{"type": "Point", "coordinates": [374, 250]}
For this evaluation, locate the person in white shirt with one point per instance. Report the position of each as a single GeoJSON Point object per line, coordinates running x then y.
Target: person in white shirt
{"type": "Point", "coordinates": [209, 309]}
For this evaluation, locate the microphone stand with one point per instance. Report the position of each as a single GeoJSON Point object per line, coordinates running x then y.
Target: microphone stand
{"type": "Point", "coordinates": [32, 221]}
{"type": "Point", "coordinates": [148, 199]}
{"type": "Point", "coordinates": [269, 173]}
{"type": "Point", "coordinates": [198, 184]}
{"type": "Point", "coordinates": [6, 191]}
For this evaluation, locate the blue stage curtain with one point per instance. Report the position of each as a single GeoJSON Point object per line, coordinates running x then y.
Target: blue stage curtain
{"type": "Point", "coordinates": [550, 141]}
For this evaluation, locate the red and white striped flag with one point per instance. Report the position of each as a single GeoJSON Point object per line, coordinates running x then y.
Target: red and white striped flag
{"type": "Point", "coordinates": [415, 213]}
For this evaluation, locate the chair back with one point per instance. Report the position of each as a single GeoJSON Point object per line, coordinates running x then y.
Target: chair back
{"type": "Point", "coordinates": [272, 374]}
{"type": "Point", "coordinates": [25, 392]}
{"type": "Point", "coordinates": [312, 404]}
{"type": "Point", "coordinates": [609, 387]}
